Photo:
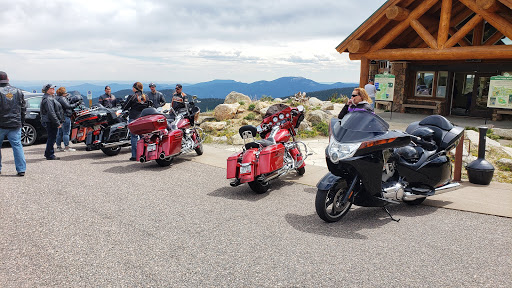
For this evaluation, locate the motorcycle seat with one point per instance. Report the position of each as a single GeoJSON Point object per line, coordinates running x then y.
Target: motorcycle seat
{"type": "Point", "coordinates": [258, 143]}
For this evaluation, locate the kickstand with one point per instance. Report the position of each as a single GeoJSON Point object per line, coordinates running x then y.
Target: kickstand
{"type": "Point", "coordinates": [387, 211]}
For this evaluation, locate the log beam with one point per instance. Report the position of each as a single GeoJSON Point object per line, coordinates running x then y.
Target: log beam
{"type": "Point", "coordinates": [493, 39]}
{"type": "Point", "coordinates": [494, 19]}
{"type": "Point", "coordinates": [463, 31]}
{"type": "Point", "coordinates": [359, 46]}
{"type": "Point", "coordinates": [424, 34]}
{"type": "Point", "coordinates": [495, 52]}
{"type": "Point", "coordinates": [462, 42]}
{"type": "Point", "coordinates": [398, 29]}
{"type": "Point", "coordinates": [507, 3]}
{"type": "Point", "coordinates": [444, 22]}
{"type": "Point", "coordinates": [397, 13]}
{"type": "Point", "coordinates": [488, 5]}
{"type": "Point", "coordinates": [478, 34]}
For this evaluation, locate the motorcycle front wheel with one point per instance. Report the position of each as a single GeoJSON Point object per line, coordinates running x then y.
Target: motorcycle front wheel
{"type": "Point", "coordinates": [328, 204]}
{"type": "Point", "coordinates": [112, 151]}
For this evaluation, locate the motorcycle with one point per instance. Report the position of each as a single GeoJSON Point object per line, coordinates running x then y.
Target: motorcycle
{"type": "Point", "coordinates": [78, 132]}
{"type": "Point", "coordinates": [105, 129]}
{"type": "Point", "coordinates": [274, 155]}
{"type": "Point", "coordinates": [372, 166]}
{"type": "Point", "coordinates": [165, 136]}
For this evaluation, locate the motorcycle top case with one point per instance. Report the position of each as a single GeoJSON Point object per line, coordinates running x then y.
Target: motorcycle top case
{"type": "Point", "coordinates": [91, 117]}
{"type": "Point", "coordinates": [148, 124]}
{"type": "Point", "coordinates": [271, 158]}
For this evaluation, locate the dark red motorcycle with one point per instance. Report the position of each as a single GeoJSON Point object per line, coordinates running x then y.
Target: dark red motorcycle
{"type": "Point", "coordinates": [165, 136]}
{"type": "Point", "coordinates": [272, 156]}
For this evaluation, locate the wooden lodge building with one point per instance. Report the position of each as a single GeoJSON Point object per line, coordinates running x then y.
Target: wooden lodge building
{"type": "Point", "coordinates": [442, 53]}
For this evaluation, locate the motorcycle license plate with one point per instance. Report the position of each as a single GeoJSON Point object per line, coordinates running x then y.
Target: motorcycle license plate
{"type": "Point", "coordinates": [245, 169]}
{"type": "Point", "coordinates": [80, 134]}
{"type": "Point", "coordinates": [151, 147]}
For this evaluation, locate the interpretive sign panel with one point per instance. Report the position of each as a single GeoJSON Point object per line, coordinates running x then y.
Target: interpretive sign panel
{"type": "Point", "coordinates": [500, 92]}
{"type": "Point", "coordinates": [385, 85]}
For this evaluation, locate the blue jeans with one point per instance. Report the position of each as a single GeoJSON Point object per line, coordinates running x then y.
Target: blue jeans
{"type": "Point", "coordinates": [133, 138]}
{"type": "Point", "coordinates": [63, 133]}
{"type": "Point", "coordinates": [14, 137]}
{"type": "Point", "coordinates": [373, 102]}
{"type": "Point", "coordinates": [52, 136]}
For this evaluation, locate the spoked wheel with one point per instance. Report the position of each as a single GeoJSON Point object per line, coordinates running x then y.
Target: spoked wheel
{"type": "Point", "coordinates": [258, 186]}
{"type": "Point", "coordinates": [301, 171]}
{"type": "Point", "coordinates": [329, 206]}
{"type": "Point", "coordinates": [28, 134]}
{"type": "Point", "coordinates": [111, 151]}
{"type": "Point", "coordinates": [165, 162]}
{"type": "Point", "coordinates": [415, 201]}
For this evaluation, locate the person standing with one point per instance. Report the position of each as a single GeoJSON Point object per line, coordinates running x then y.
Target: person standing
{"type": "Point", "coordinates": [12, 116]}
{"type": "Point", "coordinates": [52, 118]}
{"type": "Point", "coordinates": [178, 98]}
{"type": "Point", "coordinates": [134, 105]}
{"type": "Point", "coordinates": [156, 97]}
{"type": "Point", "coordinates": [108, 100]}
{"type": "Point", "coordinates": [371, 90]}
{"type": "Point", "coordinates": [63, 132]}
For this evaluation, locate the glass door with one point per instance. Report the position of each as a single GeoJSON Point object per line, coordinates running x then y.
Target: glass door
{"type": "Point", "coordinates": [462, 93]}
{"type": "Point", "coordinates": [480, 93]}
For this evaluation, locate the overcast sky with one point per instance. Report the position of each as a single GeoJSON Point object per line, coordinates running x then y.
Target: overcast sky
{"type": "Point", "coordinates": [179, 41]}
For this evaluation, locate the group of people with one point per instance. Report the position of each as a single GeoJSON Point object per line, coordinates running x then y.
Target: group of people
{"type": "Point", "coordinates": [56, 111]}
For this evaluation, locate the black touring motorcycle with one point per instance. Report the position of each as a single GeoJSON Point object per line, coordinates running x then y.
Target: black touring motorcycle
{"type": "Point", "coordinates": [371, 166]}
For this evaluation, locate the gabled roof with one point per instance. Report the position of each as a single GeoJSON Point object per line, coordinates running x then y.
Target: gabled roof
{"type": "Point", "coordinates": [434, 29]}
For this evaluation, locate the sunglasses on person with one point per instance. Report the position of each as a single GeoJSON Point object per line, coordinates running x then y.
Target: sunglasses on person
{"type": "Point", "coordinates": [355, 95]}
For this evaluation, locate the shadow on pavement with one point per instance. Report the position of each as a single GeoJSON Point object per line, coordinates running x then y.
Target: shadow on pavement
{"type": "Point", "coordinates": [361, 218]}
{"type": "Point", "coordinates": [244, 192]}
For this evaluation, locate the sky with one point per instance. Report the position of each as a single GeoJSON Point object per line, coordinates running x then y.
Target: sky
{"type": "Point", "coordinates": [187, 41]}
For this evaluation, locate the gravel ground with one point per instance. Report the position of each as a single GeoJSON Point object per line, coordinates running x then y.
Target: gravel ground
{"type": "Point", "coordinates": [91, 220]}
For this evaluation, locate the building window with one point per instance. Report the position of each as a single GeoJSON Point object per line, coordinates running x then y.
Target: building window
{"type": "Point", "coordinates": [442, 82]}
{"type": "Point", "coordinates": [424, 84]}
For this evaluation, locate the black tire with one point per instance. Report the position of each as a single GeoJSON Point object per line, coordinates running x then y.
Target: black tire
{"type": "Point", "coordinates": [165, 162]}
{"type": "Point", "coordinates": [259, 187]}
{"type": "Point", "coordinates": [112, 151]}
{"type": "Point", "coordinates": [301, 171]}
{"type": "Point", "coordinates": [325, 208]}
{"type": "Point", "coordinates": [28, 134]}
{"type": "Point", "coordinates": [199, 149]}
{"type": "Point", "coordinates": [415, 201]}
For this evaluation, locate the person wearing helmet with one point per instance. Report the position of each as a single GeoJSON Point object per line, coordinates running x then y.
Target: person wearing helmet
{"type": "Point", "coordinates": [156, 97]}
{"type": "Point", "coordinates": [108, 100]}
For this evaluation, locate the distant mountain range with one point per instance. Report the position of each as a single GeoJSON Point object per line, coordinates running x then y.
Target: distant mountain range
{"type": "Point", "coordinates": [279, 88]}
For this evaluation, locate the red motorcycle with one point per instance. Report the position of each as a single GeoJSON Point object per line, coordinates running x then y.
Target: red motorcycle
{"type": "Point", "coordinates": [272, 156]}
{"type": "Point", "coordinates": [165, 136]}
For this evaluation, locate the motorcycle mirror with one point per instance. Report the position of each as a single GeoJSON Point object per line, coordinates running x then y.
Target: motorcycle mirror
{"type": "Point", "coordinates": [194, 97]}
{"type": "Point", "coordinates": [165, 111]}
{"type": "Point", "coordinates": [300, 108]}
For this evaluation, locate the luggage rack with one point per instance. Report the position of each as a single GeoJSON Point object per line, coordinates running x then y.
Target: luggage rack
{"type": "Point", "coordinates": [85, 111]}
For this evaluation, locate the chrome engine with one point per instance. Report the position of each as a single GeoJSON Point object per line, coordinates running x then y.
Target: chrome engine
{"type": "Point", "coordinates": [187, 143]}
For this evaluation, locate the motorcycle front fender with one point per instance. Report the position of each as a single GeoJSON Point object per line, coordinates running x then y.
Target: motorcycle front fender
{"type": "Point", "coordinates": [328, 181]}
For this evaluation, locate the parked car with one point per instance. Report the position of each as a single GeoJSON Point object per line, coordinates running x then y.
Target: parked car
{"type": "Point", "coordinates": [32, 129]}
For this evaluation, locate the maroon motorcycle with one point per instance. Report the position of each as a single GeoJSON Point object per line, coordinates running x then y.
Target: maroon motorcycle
{"type": "Point", "coordinates": [276, 154]}
{"type": "Point", "coordinates": [165, 136]}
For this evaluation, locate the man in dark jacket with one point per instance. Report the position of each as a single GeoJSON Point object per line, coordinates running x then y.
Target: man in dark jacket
{"type": "Point", "coordinates": [178, 98]}
{"type": "Point", "coordinates": [12, 116]}
{"type": "Point", "coordinates": [52, 118]}
{"type": "Point", "coordinates": [108, 99]}
{"type": "Point", "coordinates": [156, 97]}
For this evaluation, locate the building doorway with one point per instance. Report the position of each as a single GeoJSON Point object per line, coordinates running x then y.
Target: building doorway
{"type": "Point", "coordinates": [469, 94]}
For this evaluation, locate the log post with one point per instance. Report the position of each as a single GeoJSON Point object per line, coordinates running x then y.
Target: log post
{"type": "Point", "coordinates": [494, 38]}
{"type": "Point", "coordinates": [365, 70]}
{"type": "Point", "coordinates": [457, 169]}
{"type": "Point", "coordinates": [478, 34]}
{"type": "Point", "coordinates": [444, 23]}
{"type": "Point", "coordinates": [359, 46]}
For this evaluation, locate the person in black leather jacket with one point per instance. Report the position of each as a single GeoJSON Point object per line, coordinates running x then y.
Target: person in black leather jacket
{"type": "Point", "coordinates": [108, 100]}
{"type": "Point", "coordinates": [156, 97]}
{"type": "Point", "coordinates": [178, 98]}
{"type": "Point", "coordinates": [63, 132]}
{"type": "Point", "coordinates": [134, 105]}
{"type": "Point", "coordinates": [12, 116]}
{"type": "Point", "coordinates": [52, 117]}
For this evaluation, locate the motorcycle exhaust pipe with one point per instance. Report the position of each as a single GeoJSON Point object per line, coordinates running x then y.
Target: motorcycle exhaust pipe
{"type": "Point", "coordinates": [278, 173]}
{"type": "Point", "coordinates": [447, 188]}
{"type": "Point", "coordinates": [162, 156]}
{"type": "Point", "coordinates": [142, 159]}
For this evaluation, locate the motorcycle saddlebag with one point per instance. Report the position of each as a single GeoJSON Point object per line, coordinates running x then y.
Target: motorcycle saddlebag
{"type": "Point", "coordinates": [271, 159]}
{"type": "Point", "coordinates": [148, 124]}
{"type": "Point", "coordinates": [175, 137]}
{"type": "Point", "coordinates": [231, 167]}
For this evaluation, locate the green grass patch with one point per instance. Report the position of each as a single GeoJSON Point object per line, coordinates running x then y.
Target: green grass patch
{"type": "Point", "coordinates": [252, 106]}
{"type": "Point", "coordinates": [250, 116]}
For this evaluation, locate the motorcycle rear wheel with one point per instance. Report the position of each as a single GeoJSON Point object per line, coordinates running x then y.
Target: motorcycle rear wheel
{"type": "Point", "coordinates": [164, 162]}
{"type": "Point", "coordinates": [328, 206]}
{"type": "Point", "coordinates": [259, 187]}
{"type": "Point", "coordinates": [112, 151]}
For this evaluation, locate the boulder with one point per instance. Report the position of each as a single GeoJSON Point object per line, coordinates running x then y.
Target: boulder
{"type": "Point", "coordinates": [505, 163]}
{"type": "Point", "coordinates": [263, 111]}
{"type": "Point", "coordinates": [313, 101]}
{"type": "Point", "coordinates": [260, 105]}
{"type": "Point", "coordinates": [278, 100]}
{"type": "Point", "coordinates": [474, 137]}
{"type": "Point", "coordinates": [327, 105]}
{"type": "Point", "coordinates": [237, 140]}
{"type": "Point", "coordinates": [337, 108]}
{"type": "Point", "coordinates": [235, 97]}
{"type": "Point", "coordinates": [304, 125]}
{"type": "Point", "coordinates": [226, 111]}
{"type": "Point", "coordinates": [318, 116]}
{"type": "Point", "coordinates": [213, 126]}
{"type": "Point", "coordinates": [503, 133]}
{"type": "Point", "coordinates": [220, 139]}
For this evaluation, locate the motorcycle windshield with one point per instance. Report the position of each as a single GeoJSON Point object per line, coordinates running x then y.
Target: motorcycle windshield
{"type": "Point", "coordinates": [358, 126]}
{"type": "Point", "coordinates": [276, 108]}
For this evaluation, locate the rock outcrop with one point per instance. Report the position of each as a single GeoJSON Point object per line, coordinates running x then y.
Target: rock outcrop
{"type": "Point", "coordinates": [226, 111]}
{"type": "Point", "coordinates": [235, 97]}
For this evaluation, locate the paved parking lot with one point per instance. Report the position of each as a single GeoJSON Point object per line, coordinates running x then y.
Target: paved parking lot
{"type": "Point", "coordinates": [91, 220]}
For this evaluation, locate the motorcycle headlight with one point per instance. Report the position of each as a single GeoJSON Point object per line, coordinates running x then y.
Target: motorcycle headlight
{"type": "Point", "coordinates": [338, 151]}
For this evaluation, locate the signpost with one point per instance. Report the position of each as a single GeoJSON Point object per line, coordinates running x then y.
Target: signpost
{"type": "Point", "coordinates": [89, 96]}
{"type": "Point", "coordinates": [385, 85]}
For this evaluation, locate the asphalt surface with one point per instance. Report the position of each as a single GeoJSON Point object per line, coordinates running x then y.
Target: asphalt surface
{"type": "Point", "coordinates": [90, 220]}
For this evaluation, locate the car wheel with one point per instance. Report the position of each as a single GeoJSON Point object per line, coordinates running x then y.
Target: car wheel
{"type": "Point", "coordinates": [28, 134]}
